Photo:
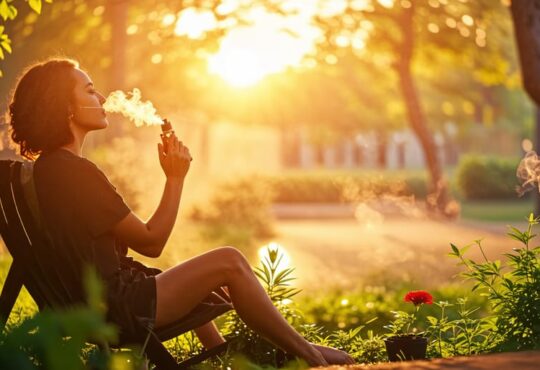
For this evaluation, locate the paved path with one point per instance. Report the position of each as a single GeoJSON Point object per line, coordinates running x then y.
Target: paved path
{"type": "Point", "coordinates": [529, 360]}
{"type": "Point", "coordinates": [344, 252]}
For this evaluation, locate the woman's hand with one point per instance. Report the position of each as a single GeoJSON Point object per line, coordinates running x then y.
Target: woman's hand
{"type": "Point", "coordinates": [174, 157]}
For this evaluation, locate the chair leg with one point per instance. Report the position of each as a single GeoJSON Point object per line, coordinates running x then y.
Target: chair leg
{"type": "Point", "coordinates": [10, 292]}
{"type": "Point", "coordinates": [204, 355]}
{"type": "Point", "coordinates": [159, 355]}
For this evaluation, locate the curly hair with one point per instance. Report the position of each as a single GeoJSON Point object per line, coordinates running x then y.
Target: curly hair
{"type": "Point", "coordinates": [40, 107]}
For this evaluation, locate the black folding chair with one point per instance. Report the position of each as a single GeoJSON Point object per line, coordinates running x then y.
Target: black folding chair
{"type": "Point", "coordinates": [23, 236]}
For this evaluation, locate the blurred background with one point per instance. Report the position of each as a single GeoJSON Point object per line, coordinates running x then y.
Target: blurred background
{"type": "Point", "coordinates": [361, 136]}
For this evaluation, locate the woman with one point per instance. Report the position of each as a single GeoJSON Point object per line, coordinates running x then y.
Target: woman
{"type": "Point", "coordinates": [54, 107]}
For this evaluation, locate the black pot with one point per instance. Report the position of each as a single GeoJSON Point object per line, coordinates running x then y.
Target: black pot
{"type": "Point", "coordinates": [406, 347]}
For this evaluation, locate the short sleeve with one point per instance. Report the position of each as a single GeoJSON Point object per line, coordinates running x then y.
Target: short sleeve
{"type": "Point", "coordinates": [100, 205]}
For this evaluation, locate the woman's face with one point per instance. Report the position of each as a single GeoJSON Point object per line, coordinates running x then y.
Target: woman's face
{"type": "Point", "coordinates": [88, 112]}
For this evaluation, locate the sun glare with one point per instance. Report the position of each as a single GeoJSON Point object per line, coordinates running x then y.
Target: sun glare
{"type": "Point", "coordinates": [270, 45]}
{"type": "Point", "coordinates": [285, 261]}
{"type": "Point", "coordinates": [240, 68]}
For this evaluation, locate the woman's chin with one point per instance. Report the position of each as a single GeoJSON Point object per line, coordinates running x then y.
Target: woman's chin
{"type": "Point", "coordinates": [104, 124]}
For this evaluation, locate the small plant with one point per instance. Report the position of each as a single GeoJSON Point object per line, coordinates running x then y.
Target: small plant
{"type": "Point", "coordinates": [462, 336]}
{"type": "Point", "coordinates": [403, 320]}
{"type": "Point", "coordinates": [404, 344]}
{"type": "Point", "coordinates": [513, 290]}
{"type": "Point", "coordinates": [276, 280]}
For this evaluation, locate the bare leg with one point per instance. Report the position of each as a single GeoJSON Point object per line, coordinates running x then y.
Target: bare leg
{"type": "Point", "coordinates": [181, 288]}
{"type": "Point", "coordinates": [209, 335]}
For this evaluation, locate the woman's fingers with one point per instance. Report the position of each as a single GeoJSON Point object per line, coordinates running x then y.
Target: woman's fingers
{"type": "Point", "coordinates": [187, 153]}
{"type": "Point", "coordinates": [176, 146]}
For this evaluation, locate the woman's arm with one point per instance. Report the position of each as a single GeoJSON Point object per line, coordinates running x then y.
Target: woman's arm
{"type": "Point", "coordinates": [149, 238]}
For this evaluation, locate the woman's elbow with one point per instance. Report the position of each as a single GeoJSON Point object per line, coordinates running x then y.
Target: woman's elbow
{"type": "Point", "coordinates": [153, 251]}
{"type": "Point", "coordinates": [147, 249]}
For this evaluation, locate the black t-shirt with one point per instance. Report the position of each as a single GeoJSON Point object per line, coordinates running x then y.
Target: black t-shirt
{"type": "Point", "coordinates": [80, 207]}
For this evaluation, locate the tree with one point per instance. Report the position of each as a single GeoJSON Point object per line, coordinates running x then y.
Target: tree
{"type": "Point", "coordinates": [395, 30]}
{"type": "Point", "coordinates": [8, 12]}
{"type": "Point", "coordinates": [526, 16]}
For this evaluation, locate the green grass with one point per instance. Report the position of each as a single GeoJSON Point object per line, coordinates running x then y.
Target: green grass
{"type": "Point", "coordinates": [496, 210]}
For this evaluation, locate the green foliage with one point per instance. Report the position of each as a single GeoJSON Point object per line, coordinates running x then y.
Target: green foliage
{"type": "Point", "coordinates": [237, 213]}
{"type": "Point", "coordinates": [335, 188]}
{"type": "Point", "coordinates": [276, 280]}
{"type": "Point", "coordinates": [481, 177]}
{"type": "Point", "coordinates": [8, 11]}
{"type": "Point", "coordinates": [401, 323]}
{"type": "Point", "coordinates": [464, 336]}
{"type": "Point", "coordinates": [513, 290]}
{"type": "Point", "coordinates": [254, 349]}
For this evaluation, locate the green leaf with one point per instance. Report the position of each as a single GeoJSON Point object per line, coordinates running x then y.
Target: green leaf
{"type": "Point", "coordinates": [6, 46]}
{"type": "Point", "coordinates": [4, 10]}
{"type": "Point", "coordinates": [12, 12]}
{"type": "Point", "coordinates": [259, 275]}
{"type": "Point", "coordinates": [455, 249]}
{"type": "Point", "coordinates": [35, 5]}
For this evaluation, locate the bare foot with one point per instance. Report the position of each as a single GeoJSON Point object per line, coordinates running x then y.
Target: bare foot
{"type": "Point", "coordinates": [334, 356]}
{"type": "Point", "coordinates": [314, 357]}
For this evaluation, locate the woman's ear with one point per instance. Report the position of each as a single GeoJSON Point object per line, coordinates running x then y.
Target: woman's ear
{"type": "Point", "coordinates": [70, 112]}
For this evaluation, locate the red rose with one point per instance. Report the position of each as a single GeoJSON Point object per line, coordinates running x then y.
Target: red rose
{"type": "Point", "coordinates": [418, 297]}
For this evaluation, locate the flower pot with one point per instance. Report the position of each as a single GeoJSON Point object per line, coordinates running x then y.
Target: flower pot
{"type": "Point", "coordinates": [406, 347]}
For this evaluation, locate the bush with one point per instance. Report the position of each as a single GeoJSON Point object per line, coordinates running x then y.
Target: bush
{"type": "Point", "coordinates": [237, 214]}
{"type": "Point", "coordinates": [512, 290]}
{"type": "Point", "coordinates": [481, 177]}
{"type": "Point", "coordinates": [331, 188]}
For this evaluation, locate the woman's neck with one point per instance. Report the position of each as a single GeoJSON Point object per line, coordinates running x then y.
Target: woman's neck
{"type": "Point", "coordinates": [75, 149]}
{"type": "Point", "coordinates": [76, 145]}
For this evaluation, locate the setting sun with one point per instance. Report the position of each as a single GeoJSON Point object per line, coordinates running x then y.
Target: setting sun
{"type": "Point", "coordinates": [240, 68]}
{"type": "Point", "coordinates": [271, 44]}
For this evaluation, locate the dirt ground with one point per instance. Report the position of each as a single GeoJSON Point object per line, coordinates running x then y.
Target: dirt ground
{"type": "Point", "coordinates": [344, 253]}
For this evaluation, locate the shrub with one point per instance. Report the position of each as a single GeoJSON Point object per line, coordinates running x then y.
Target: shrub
{"type": "Point", "coordinates": [513, 290]}
{"type": "Point", "coordinates": [463, 336]}
{"type": "Point", "coordinates": [237, 214]}
{"type": "Point", "coordinates": [332, 188]}
{"type": "Point", "coordinates": [481, 177]}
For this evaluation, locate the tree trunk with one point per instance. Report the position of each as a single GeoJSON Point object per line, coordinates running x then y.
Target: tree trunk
{"type": "Point", "coordinates": [382, 144]}
{"type": "Point", "coordinates": [526, 16]}
{"type": "Point", "coordinates": [438, 200]}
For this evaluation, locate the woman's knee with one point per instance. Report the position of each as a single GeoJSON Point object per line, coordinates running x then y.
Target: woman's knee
{"type": "Point", "coordinates": [233, 260]}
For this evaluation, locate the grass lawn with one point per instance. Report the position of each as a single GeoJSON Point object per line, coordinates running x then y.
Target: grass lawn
{"type": "Point", "coordinates": [496, 210]}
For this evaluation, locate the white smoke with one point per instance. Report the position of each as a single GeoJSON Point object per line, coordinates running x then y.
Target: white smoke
{"type": "Point", "coordinates": [131, 106]}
